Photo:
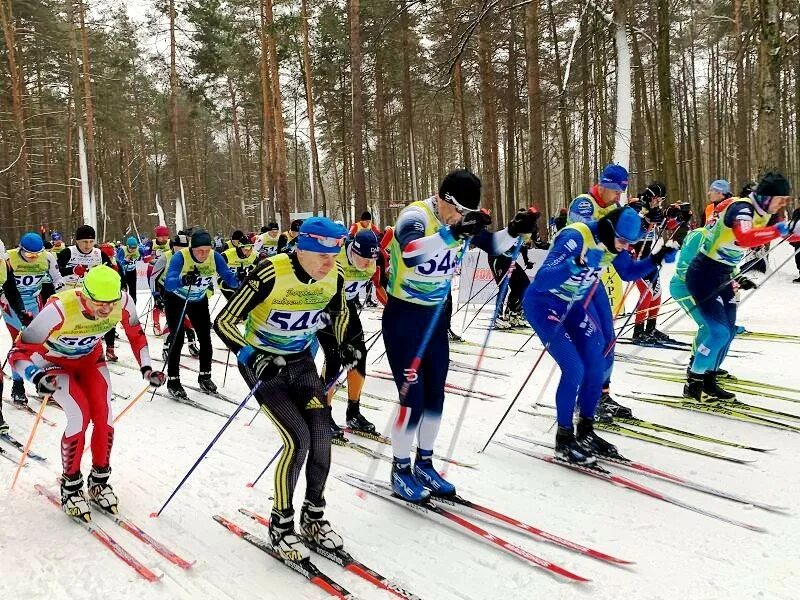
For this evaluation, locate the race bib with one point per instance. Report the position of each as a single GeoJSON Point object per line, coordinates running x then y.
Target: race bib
{"type": "Point", "coordinates": [441, 265]}
{"type": "Point", "coordinates": [296, 320]}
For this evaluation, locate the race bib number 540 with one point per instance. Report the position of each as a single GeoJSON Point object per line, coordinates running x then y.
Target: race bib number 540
{"type": "Point", "coordinates": [295, 320]}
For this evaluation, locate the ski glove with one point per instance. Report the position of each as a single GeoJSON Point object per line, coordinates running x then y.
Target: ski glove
{"type": "Point", "coordinates": [191, 278]}
{"type": "Point", "coordinates": [665, 254]}
{"type": "Point", "coordinates": [79, 270]}
{"type": "Point", "coordinates": [794, 221]}
{"type": "Point", "coordinates": [25, 317]}
{"type": "Point", "coordinates": [265, 366]}
{"type": "Point", "coordinates": [470, 224]}
{"type": "Point", "coordinates": [593, 257]}
{"type": "Point", "coordinates": [350, 355]}
{"type": "Point", "coordinates": [45, 383]}
{"type": "Point", "coordinates": [782, 228]}
{"type": "Point", "coordinates": [746, 283]}
{"type": "Point", "coordinates": [523, 222]}
{"type": "Point", "coordinates": [158, 302]}
{"type": "Point", "coordinates": [154, 378]}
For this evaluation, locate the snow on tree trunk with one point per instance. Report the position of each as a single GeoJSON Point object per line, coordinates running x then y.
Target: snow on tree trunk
{"type": "Point", "coordinates": [622, 136]}
{"type": "Point", "coordinates": [161, 219]}
{"type": "Point", "coordinates": [87, 209]}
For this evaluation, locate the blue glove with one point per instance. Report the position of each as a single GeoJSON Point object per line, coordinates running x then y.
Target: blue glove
{"type": "Point", "coordinates": [593, 257]}
{"type": "Point", "coordinates": [782, 228]}
{"type": "Point", "coordinates": [665, 254]}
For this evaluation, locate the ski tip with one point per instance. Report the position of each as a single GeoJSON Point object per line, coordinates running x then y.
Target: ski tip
{"type": "Point", "coordinates": [249, 485]}
{"type": "Point", "coordinates": [153, 515]}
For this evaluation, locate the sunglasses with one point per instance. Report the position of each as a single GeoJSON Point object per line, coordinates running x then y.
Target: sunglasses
{"type": "Point", "coordinates": [328, 242]}
{"type": "Point", "coordinates": [460, 208]}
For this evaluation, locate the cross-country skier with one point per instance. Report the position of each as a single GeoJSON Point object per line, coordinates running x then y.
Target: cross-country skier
{"type": "Point", "coordinates": [128, 257]}
{"type": "Point", "coordinates": [30, 264]}
{"type": "Point", "coordinates": [61, 354]}
{"type": "Point", "coordinates": [601, 199]}
{"type": "Point", "coordinates": [241, 259]}
{"type": "Point", "coordinates": [268, 241]}
{"type": "Point", "coordinates": [424, 254]}
{"type": "Point", "coordinates": [160, 246]}
{"type": "Point", "coordinates": [357, 260]}
{"type": "Point", "coordinates": [189, 274]}
{"type": "Point", "coordinates": [288, 239]}
{"type": "Point", "coordinates": [560, 306]}
{"type": "Point", "coordinates": [718, 191]}
{"type": "Point", "coordinates": [283, 303]}
{"type": "Point", "coordinates": [74, 261]}
{"type": "Point", "coordinates": [9, 294]}
{"type": "Point", "coordinates": [712, 281]}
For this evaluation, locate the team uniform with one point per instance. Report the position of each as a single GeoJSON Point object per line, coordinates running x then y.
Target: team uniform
{"type": "Point", "coordinates": [365, 245]}
{"type": "Point", "coordinates": [267, 244]}
{"type": "Point", "coordinates": [240, 265]}
{"type": "Point", "coordinates": [9, 294]}
{"type": "Point", "coordinates": [424, 253]}
{"type": "Point", "coordinates": [282, 308]}
{"type": "Point", "coordinates": [128, 257]}
{"type": "Point", "coordinates": [561, 307]}
{"type": "Point", "coordinates": [157, 250]}
{"type": "Point", "coordinates": [186, 284]}
{"type": "Point", "coordinates": [62, 347]}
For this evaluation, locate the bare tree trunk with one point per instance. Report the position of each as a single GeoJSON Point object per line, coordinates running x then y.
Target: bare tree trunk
{"type": "Point", "coordinates": [357, 117]}
{"type": "Point", "coordinates": [566, 189]}
{"type": "Point", "coordinates": [511, 119]}
{"type": "Point", "coordinates": [669, 168]}
{"type": "Point", "coordinates": [408, 106]}
{"type": "Point", "coordinates": [318, 189]}
{"type": "Point", "coordinates": [491, 193]}
{"type": "Point", "coordinates": [236, 146]}
{"type": "Point", "coordinates": [769, 148]}
{"type": "Point", "coordinates": [174, 153]}
{"type": "Point", "coordinates": [535, 117]}
{"type": "Point", "coordinates": [382, 141]}
{"type": "Point", "coordinates": [266, 147]}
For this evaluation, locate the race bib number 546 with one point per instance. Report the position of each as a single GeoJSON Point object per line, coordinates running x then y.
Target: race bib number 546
{"type": "Point", "coordinates": [295, 320]}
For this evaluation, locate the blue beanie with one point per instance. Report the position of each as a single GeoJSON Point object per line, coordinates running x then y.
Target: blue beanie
{"type": "Point", "coordinates": [55, 236]}
{"type": "Point", "coordinates": [365, 244]}
{"type": "Point", "coordinates": [721, 186]}
{"type": "Point", "coordinates": [614, 177]}
{"type": "Point", "coordinates": [31, 242]}
{"type": "Point", "coordinates": [131, 242]}
{"type": "Point", "coordinates": [320, 226]}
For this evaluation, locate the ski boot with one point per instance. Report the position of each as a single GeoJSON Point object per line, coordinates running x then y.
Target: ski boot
{"type": "Point", "coordinates": [517, 320]}
{"type": "Point", "coordinates": [726, 376]}
{"type": "Point", "coordinates": [111, 356]}
{"type": "Point", "coordinates": [18, 393]}
{"type": "Point", "coordinates": [100, 491]}
{"type": "Point", "coordinates": [659, 336]}
{"type": "Point", "coordinates": [502, 323]}
{"type": "Point", "coordinates": [337, 433]}
{"type": "Point", "coordinates": [314, 529]}
{"type": "Point", "coordinates": [593, 443]}
{"type": "Point", "coordinates": [711, 387]}
{"type": "Point", "coordinates": [428, 476]}
{"type": "Point", "coordinates": [73, 502]}
{"type": "Point", "coordinates": [284, 540]}
{"type": "Point", "coordinates": [694, 389]}
{"type": "Point", "coordinates": [357, 421]}
{"type": "Point", "coordinates": [194, 349]}
{"type": "Point", "coordinates": [613, 408]}
{"type": "Point", "coordinates": [567, 449]}
{"type": "Point", "coordinates": [157, 329]}
{"type": "Point", "coordinates": [3, 424]}
{"type": "Point", "coordinates": [453, 336]}
{"type": "Point", "coordinates": [405, 484]}
{"type": "Point", "coordinates": [205, 383]}
{"type": "Point", "coordinates": [175, 388]}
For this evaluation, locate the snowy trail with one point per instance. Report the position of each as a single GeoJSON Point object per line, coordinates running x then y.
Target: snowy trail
{"type": "Point", "coordinates": [678, 554]}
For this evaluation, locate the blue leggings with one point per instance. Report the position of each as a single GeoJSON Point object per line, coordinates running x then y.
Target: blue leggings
{"type": "Point", "coordinates": [577, 343]}
{"type": "Point", "coordinates": [709, 284]}
{"type": "Point", "coordinates": [420, 412]}
{"type": "Point", "coordinates": [680, 293]}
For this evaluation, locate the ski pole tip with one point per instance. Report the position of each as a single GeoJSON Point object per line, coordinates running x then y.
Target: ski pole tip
{"type": "Point", "coordinates": [154, 515]}
{"type": "Point", "coordinates": [249, 485]}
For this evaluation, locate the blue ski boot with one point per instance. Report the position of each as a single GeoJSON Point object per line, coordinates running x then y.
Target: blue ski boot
{"type": "Point", "coordinates": [427, 475]}
{"type": "Point", "coordinates": [405, 484]}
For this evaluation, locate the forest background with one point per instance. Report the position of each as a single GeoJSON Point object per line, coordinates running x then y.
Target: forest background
{"type": "Point", "coordinates": [231, 113]}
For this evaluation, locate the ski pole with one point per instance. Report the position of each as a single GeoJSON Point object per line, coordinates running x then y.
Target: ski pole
{"type": "Point", "coordinates": [27, 448]}
{"type": "Point", "coordinates": [208, 448]}
{"type": "Point", "coordinates": [131, 403]}
{"type": "Point", "coordinates": [479, 361]}
{"type": "Point", "coordinates": [469, 295]}
{"type": "Point", "coordinates": [544, 351]}
{"type": "Point", "coordinates": [174, 334]}
{"type": "Point", "coordinates": [264, 470]}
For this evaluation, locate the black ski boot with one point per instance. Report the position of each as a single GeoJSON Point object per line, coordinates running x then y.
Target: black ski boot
{"type": "Point", "coordinates": [175, 388]}
{"type": "Point", "coordinates": [18, 393]}
{"type": "Point", "coordinates": [73, 502]}
{"type": "Point", "coordinates": [357, 421]}
{"type": "Point", "coordinates": [284, 540]}
{"type": "Point", "coordinates": [453, 336]}
{"type": "Point", "coordinates": [205, 383]}
{"type": "Point", "coordinates": [712, 388]}
{"type": "Point", "coordinates": [191, 337]}
{"type": "Point", "coordinates": [694, 388]}
{"type": "Point", "coordinates": [568, 450]}
{"type": "Point", "coordinates": [3, 424]}
{"type": "Point", "coordinates": [316, 530]}
{"type": "Point", "coordinates": [591, 442]}
{"type": "Point", "coordinates": [725, 375]}
{"type": "Point", "coordinates": [100, 492]}
{"type": "Point", "coordinates": [337, 433]}
{"type": "Point", "coordinates": [658, 336]}
{"type": "Point", "coordinates": [638, 336]}
{"type": "Point", "coordinates": [610, 406]}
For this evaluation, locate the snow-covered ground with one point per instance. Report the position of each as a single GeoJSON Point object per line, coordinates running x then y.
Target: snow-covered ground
{"type": "Point", "coordinates": [678, 554]}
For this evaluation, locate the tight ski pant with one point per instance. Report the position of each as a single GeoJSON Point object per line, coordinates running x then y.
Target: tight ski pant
{"type": "Point", "coordinates": [354, 335]}
{"type": "Point", "coordinates": [576, 342]}
{"type": "Point", "coordinates": [84, 392]}
{"type": "Point", "coordinates": [295, 402]}
{"type": "Point", "coordinates": [708, 282]}
{"type": "Point", "coordinates": [649, 298]}
{"type": "Point", "coordinates": [680, 293]}
{"type": "Point", "coordinates": [130, 281]}
{"type": "Point", "coordinates": [517, 284]}
{"type": "Point", "coordinates": [197, 313]}
{"type": "Point", "coordinates": [420, 412]}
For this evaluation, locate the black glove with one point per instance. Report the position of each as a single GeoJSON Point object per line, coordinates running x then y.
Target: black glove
{"type": "Point", "coordinates": [523, 222]}
{"type": "Point", "coordinates": [470, 224]}
{"type": "Point", "coordinates": [794, 220]}
{"type": "Point", "coordinates": [158, 301]}
{"type": "Point", "coordinates": [350, 355]}
{"type": "Point", "coordinates": [25, 317]}
{"type": "Point", "coordinates": [746, 283]}
{"type": "Point", "coordinates": [154, 378]}
{"type": "Point", "coordinates": [191, 278]}
{"type": "Point", "coordinates": [45, 383]}
{"type": "Point", "coordinates": [266, 366]}
{"type": "Point", "coordinates": [655, 215]}
{"type": "Point", "coordinates": [665, 254]}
